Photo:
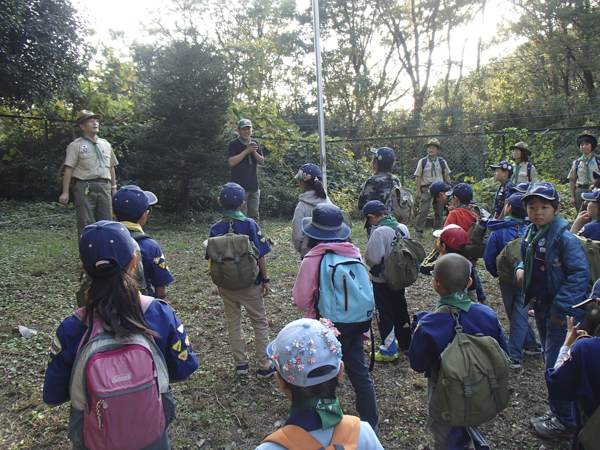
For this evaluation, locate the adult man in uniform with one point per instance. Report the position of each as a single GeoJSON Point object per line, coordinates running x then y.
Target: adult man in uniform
{"type": "Point", "coordinates": [91, 162]}
{"type": "Point", "coordinates": [244, 156]}
{"type": "Point", "coordinates": [429, 169]}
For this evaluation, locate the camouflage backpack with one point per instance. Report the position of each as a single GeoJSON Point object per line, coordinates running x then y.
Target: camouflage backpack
{"type": "Point", "coordinates": [508, 260]}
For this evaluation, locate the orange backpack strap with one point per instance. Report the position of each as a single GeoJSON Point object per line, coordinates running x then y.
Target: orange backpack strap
{"type": "Point", "coordinates": [345, 433]}
{"type": "Point", "coordinates": [292, 437]}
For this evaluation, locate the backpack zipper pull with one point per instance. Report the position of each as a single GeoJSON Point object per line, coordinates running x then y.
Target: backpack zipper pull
{"type": "Point", "coordinates": [99, 405]}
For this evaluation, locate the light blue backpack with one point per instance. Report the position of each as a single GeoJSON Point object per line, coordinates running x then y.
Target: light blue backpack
{"type": "Point", "coordinates": [345, 293]}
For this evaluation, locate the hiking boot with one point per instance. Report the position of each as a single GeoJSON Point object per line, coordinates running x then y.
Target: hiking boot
{"type": "Point", "coordinates": [266, 373]}
{"type": "Point", "coordinates": [514, 364]}
{"type": "Point", "coordinates": [547, 416]}
{"type": "Point", "coordinates": [241, 370]}
{"type": "Point", "coordinates": [532, 351]}
{"type": "Point", "coordinates": [380, 357]}
{"type": "Point", "coordinates": [553, 429]}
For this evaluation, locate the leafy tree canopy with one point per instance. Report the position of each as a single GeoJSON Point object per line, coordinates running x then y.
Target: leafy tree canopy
{"type": "Point", "coordinates": [40, 50]}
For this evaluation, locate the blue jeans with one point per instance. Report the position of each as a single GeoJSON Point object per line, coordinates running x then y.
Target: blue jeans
{"type": "Point", "coordinates": [552, 337]}
{"type": "Point", "coordinates": [393, 319]}
{"type": "Point", "coordinates": [358, 372]}
{"type": "Point", "coordinates": [521, 334]}
{"type": "Point", "coordinates": [481, 297]}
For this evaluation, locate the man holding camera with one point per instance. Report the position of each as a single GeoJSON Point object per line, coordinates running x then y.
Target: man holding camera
{"type": "Point", "coordinates": [244, 156]}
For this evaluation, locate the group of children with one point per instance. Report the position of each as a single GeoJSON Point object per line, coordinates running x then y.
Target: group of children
{"type": "Point", "coordinates": [309, 356]}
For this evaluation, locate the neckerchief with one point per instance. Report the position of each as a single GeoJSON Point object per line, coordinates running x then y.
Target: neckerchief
{"type": "Point", "coordinates": [587, 161]}
{"type": "Point", "coordinates": [528, 262]}
{"type": "Point", "coordinates": [463, 206]}
{"type": "Point", "coordinates": [133, 226]}
{"type": "Point", "coordinates": [234, 214]}
{"type": "Point", "coordinates": [307, 189]}
{"type": "Point", "coordinates": [519, 221]}
{"type": "Point", "coordinates": [246, 144]}
{"type": "Point", "coordinates": [389, 221]}
{"type": "Point", "coordinates": [459, 300]}
{"type": "Point", "coordinates": [97, 149]}
{"type": "Point", "coordinates": [328, 409]}
{"type": "Point", "coordinates": [433, 169]}
{"type": "Point", "coordinates": [515, 176]}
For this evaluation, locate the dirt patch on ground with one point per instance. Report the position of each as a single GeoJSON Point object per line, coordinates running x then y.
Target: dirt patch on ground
{"type": "Point", "coordinates": [216, 408]}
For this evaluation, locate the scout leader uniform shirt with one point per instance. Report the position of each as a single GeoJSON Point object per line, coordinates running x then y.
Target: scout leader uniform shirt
{"type": "Point", "coordinates": [579, 171]}
{"type": "Point", "coordinates": [84, 160]}
{"type": "Point", "coordinates": [427, 173]}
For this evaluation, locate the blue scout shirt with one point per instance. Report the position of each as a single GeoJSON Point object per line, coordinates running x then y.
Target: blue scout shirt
{"type": "Point", "coordinates": [501, 195]}
{"type": "Point", "coordinates": [172, 341]}
{"type": "Point", "coordinates": [436, 330]}
{"type": "Point", "coordinates": [156, 270]}
{"type": "Point", "coordinates": [250, 229]}
{"type": "Point", "coordinates": [591, 231]}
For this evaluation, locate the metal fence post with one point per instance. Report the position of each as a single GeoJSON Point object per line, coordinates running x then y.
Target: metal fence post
{"type": "Point", "coordinates": [48, 156]}
{"type": "Point", "coordinates": [402, 160]}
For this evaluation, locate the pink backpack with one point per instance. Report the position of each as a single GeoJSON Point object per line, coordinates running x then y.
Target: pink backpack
{"type": "Point", "coordinates": [117, 388]}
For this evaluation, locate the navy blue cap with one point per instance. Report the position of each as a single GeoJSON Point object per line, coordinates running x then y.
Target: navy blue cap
{"type": "Point", "coordinates": [384, 155]}
{"type": "Point", "coordinates": [516, 201]}
{"type": "Point", "coordinates": [102, 243]}
{"type": "Point", "coordinates": [439, 186]}
{"type": "Point", "coordinates": [520, 188]}
{"type": "Point", "coordinates": [504, 165]}
{"type": "Point", "coordinates": [542, 189]}
{"type": "Point", "coordinates": [463, 191]}
{"type": "Point", "coordinates": [309, 173]}
{"type": "Point", "coordinates": [591, 196]}
{"type": "Point", "coordinates": [232, 195]}
{"type": "Point", "coordinates": [326, 223]}
{"type": "Point", "coordinates": [373, 206]}
{"type": "Point", "coordinates": [131, 201]}
{"type": "Point", "coordinates": [593, 296]}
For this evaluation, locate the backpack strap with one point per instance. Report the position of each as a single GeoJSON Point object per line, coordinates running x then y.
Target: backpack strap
{"type": "Point", "coordinates": [443, 165]}
{"type": "Point", "coordinates": [138, 235]}
{"type": "Point", "coordinates": [293, 437]}
{"type": "Point", "coordinates": [529, 169]}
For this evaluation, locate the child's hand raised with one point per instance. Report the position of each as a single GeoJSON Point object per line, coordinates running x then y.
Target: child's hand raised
{"type": "Point", "coordinates": [573, 331]}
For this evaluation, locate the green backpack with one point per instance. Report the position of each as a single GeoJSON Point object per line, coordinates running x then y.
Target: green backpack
{"type": "Point", "coordinates": [402, 266]}
{"type": "Point", "coordinates": [233, 260]}
{"type": "Point", "coordinates": [478, 237]}
{"type": "Point", "coordinates": [508, 260]}
{"type": "Point", "coordinates": [401, 203]}
{"type": "Point", "coordinates": [589, 436]}
{"type": "Point", "coordinates": [472, 387]}
{"type": "Point", "coordinates": [592, 254]}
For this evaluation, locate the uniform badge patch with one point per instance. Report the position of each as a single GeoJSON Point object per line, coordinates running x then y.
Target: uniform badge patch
{"type": "Point", "coordinates": [177, 346]}
{"type": "Point", "coordinates": [156, 260]}
{"type": "Point", "coordinates": [187, 341]}
{"type": "Point", "coordinates": [180, 328]}
{"type": "Point", "coordinates": [162, 265]}
{"type": "Point", "coordinates": [56, 347]}
{"type": "Point", "coordinates": [183, 355]}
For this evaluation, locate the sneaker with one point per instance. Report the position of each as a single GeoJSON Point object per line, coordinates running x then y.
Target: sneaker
{"type": "Point", "coordinates": [380, 357]}
{"type": "Point", "coordinates": [242, 370]}
{"type": "Point", "coordinates": [547, 416]}
{"type": "Point", "coordinates": [514, 364]}
{"type": "Point", "coordinates": [553, 429]}
{"type": "Point", "coordinates": [267, 373]}
{"type": "Point", "coordinates": [531, 312]}
{"type": "Point", "coordinates": [533, 351]}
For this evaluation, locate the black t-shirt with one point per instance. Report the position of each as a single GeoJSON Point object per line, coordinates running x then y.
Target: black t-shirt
{"type": "Point", "coordinates": [244, 173]}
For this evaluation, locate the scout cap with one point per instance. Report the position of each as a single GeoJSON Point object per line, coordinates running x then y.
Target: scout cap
{"type": "Point", "coordinates": [309, 173]}
{"type": "Point", "coordinates": [505, 166]}
{"type": "Point", "coordinates": [303, 346]}
{"type": "Point", "coordinates": [102, 243]}
{"type": "Point", "coordinates": [130, 201]}
{"type": "Point", "coordinates": [244, 123]}
{"type": "Point", "coordinates": [435, 142]}
{"type": "Point", "coordinates": [384, 155]}
{"type": "Point", "coordinates": [542, 189]}
{"type": "Point", "coordinates": [232, 195]}
{"type": "Point", "coordinates": [521, 146]}
{"type": "Point", "coordinates": [84, 114]}
{"type": "Point", "coordinates": [452, 235]}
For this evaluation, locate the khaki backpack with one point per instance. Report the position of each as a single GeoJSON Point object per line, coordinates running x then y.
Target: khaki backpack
{"type": "Point", "coordinates": [472, 387]}
{"type": "Point", "coordinates": [592, 254]}
{"type": "Point", "coordinates": [478, 237]}
{"type": "Point", "coordinates": [402, 266]}
{"type": "Point", "coordinates": [508, 260]}
{"type": "Point", "coordinates": [233, 260]}
{"type": "Point", "coordinates": [293, 437]}
{"type": "Point", "coordinates": [401, 203]}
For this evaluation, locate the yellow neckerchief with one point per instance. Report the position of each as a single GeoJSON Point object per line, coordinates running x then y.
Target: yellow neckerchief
{"type": "Point", "coordinates": [133, 226]}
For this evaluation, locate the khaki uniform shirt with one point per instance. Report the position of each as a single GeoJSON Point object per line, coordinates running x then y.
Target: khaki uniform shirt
{"type": "Point", "coordinates": [521, 173]}
{"type": "Point", "coordinates": [579, 174]}
{"type": "Point", "coordinates": [426, 173]}
{"type": "Point", "coordinates": [82, 157]}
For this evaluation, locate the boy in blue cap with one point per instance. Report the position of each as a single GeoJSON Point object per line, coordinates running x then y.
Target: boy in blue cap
{"type": "Point", "coordinates": [586, 225]}
{"type": "Point", "coordinates": [503, 172]}
{"type": "Point", "coordinates": [555, 274]}
{"type": "Point", "coordinates": [393, 318]}
{"type": "Point", "coordinates": [131, 206]}
{"type": "Point", "coordinates": [231, 198]}
{"type": "Point", "coordinates": [521, 338]}
{"type": "Point", "coordinates": [380, 185]}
